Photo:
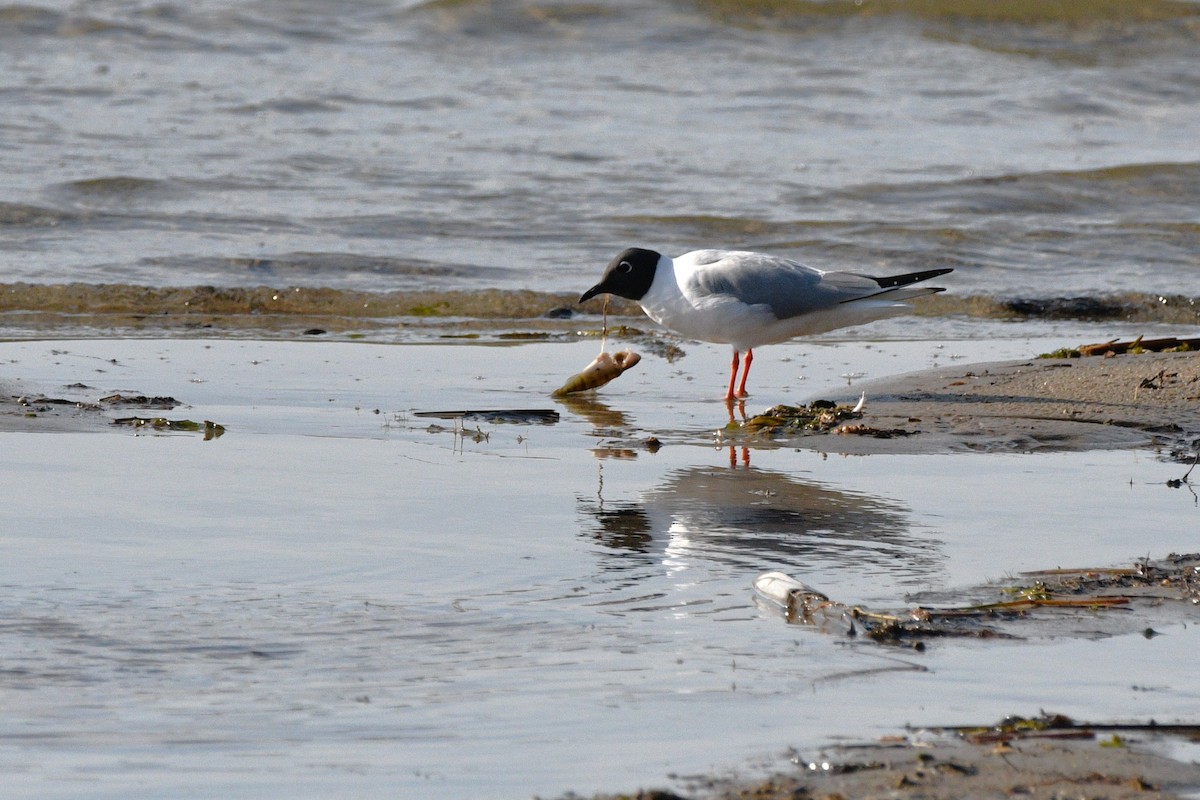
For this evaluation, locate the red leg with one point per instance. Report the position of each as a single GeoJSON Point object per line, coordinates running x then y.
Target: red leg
{"type": "Point", "coordinates": [741, 392]}
{"type": "Point", "coordinates": [733, 370]}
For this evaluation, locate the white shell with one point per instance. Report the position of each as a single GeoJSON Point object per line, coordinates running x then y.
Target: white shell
{"type": "Point", "coordinates": [604, 368]}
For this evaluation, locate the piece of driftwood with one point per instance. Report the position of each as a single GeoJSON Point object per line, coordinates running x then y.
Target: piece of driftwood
{"type": "Point", "coordinates": [1053, 591]}
{"type": "Point", "coordinates": [1139, 345]}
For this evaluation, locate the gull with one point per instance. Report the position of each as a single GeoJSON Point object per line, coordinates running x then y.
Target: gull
{"type": "Point", "coordinates": [750, 299]}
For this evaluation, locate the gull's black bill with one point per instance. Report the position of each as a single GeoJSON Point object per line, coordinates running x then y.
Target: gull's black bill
{"type": "Point", "coordinates": [592, 292]}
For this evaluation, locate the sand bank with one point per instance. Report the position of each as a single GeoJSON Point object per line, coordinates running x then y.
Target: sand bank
{"type": "Point", "coordinates": [1086, 762]}
{"type": "Point", "coordinates": [1056, 403]}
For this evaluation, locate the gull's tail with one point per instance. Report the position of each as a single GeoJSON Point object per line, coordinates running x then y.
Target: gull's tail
{"type": "Point", "coordinates": [911, 277]}
{"type": "Point", "coordinates": [889, 286]}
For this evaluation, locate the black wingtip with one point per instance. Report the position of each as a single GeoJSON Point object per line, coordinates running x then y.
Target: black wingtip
{"type": "Point", "coordinates": [911, 277]}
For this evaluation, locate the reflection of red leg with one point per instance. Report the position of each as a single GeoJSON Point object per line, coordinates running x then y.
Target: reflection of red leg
{"type": "Point", "coordinates": [741, 392]}
{"type": "Point", "coordinates": [733, 457]}
{"type": "Point", "coordinates": [733, 369]}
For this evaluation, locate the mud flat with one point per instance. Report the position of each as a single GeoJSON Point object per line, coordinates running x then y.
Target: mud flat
{"type": "Point", "coordinates": [1078, 761]}
{"type": "Point", "coordinates": [1039, 403]}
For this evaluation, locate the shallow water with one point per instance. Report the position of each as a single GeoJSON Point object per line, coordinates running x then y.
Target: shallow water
{"type": "Point", "coordinates": [336, 596]}
{"type": "Point", "coordinates": [339, 595]}
{"type": "Point", "coordinates": [1038, 149]}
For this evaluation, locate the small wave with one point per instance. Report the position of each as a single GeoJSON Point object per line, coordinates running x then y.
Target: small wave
{"type": "Point", "coordinates": [708, 227]}
{"type": "Point", "coordinates": [304, 268]}
{"type": "Point", "coordinates": [29, 20]}
{"type": "Point", "coordinates": [117, 185]}
{"type": "Point", "coordinates": [1173, 188]}
{"type": "Point", "coordinates": [1073, 30]}
{"type": "Point", "coordinates": [23, 215]}
{"type": "Point", "coordinates": [1125, 307]}
{"type": "Point", "coordinates": [1023, 12]}
{"type": "Point", "coordinates": [287, 105]}
{"type": "Point", "coordinates": [25, 21]}
{"type": "Point", "coordinates": [1093, 191]}
{"type": "Point", "coordinates": [477, 18]}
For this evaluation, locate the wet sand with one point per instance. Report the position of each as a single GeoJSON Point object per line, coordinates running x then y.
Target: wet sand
{"type": "Point", "coordinates": [1047, 757]}
{"type": "Point", "coordinates": [1032, 404]}
{"type": "Point", "coordinates": [1060, 403]}
{"type": "Point", "coordinates": [1047, 766]}
{"type": "Point", "coordinates": [1148, 399]}
{"type": "Point", "coordinates": [1052, 403]}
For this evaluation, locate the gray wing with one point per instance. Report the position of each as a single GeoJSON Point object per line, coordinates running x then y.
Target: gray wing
{"type": "Point", "coordinates": [788, 288]}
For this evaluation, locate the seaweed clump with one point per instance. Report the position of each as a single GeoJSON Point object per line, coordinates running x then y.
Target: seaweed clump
{"type": "Point", "coordinates": [210, 429]}
{"type": "Point", "coordinates": [819, 415]}
{"type": "Point", "coordinates": [1136, 346]}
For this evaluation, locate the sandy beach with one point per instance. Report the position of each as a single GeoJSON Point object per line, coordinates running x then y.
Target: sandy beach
{"type": "Point", "coordinates": [1074, 403]}
{"type": "Point", "coordinates": [1043, 766]}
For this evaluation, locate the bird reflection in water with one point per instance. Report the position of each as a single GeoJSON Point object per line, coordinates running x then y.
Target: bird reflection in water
{"type": "Point", "coordinates": [759, 518]}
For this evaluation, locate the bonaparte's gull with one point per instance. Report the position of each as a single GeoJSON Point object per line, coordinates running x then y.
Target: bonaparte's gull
{"type": "Point", "coordinates": [750, 299]}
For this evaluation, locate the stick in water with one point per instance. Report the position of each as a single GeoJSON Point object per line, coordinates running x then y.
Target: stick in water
{"type": "Point", "coordinates": [604, 326]}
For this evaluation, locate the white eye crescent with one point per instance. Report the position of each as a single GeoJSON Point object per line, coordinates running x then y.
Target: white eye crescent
{"type": "Point", "coordinates": [625, 267]}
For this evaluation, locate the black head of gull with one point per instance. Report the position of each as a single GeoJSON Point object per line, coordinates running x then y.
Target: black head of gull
{"type": "Point", "coordinates": [629, 275]}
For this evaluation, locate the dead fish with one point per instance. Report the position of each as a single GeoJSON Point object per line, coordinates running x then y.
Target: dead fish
{"type": "Point", "coordinates": [605, 368]}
